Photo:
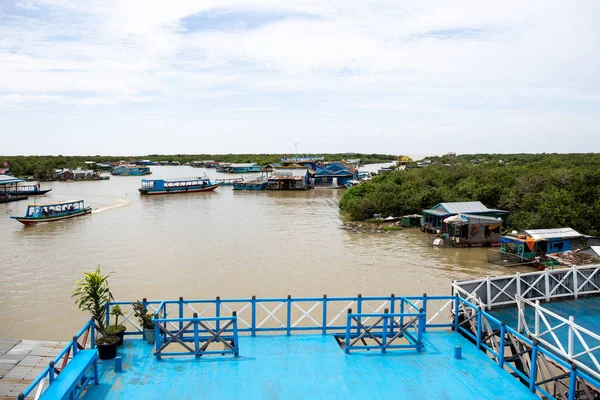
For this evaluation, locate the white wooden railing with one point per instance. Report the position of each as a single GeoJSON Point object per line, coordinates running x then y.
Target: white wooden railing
{"type": "Point", "coordinates": [562, 335]}
{"type": "Point", "coordinates": [547, 285]}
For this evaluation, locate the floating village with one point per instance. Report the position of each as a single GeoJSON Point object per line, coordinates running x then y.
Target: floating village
{"type": "Point", "coordinates": [524, 336]}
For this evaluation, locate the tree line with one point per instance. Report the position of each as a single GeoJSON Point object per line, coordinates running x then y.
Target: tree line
{"type": "Point", "coordinates": [43, 166]}
{"type": "Point", "coordinates": [539, 190]}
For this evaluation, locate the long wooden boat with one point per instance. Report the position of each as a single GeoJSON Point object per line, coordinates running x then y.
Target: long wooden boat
{"type": "Point", "coordinates": [23, 190]}
{"type": "Point", "coordinates": [229, 182]}
{"type": "Point", "coordinates": [40, 213]}
{"type": "Point", "coordinates": [9, 198]}
{"type": "Point", "coordinates": [251, 185]}
{"type": "Point", "coordinates": [180, 185]}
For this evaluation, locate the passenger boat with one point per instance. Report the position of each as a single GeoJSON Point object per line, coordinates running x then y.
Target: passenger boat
{"type": "Point", "coordinates": [180, 185]}
{"type": "Point", "coordinates": [8, 198]}
{"type": "Point", "coordinates": [229, 182]}
{"type": "Point", "coordinates": [251, 185]}
{"type": "Point", "coordinates": [9, 185]}
{"type": "Point", "coordinates": [37, 213]}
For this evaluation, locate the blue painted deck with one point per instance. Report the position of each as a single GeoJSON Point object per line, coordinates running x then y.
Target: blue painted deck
{"type": "Point", "coordinates": [586, 312]}
{"type": "Point", "coordinates": [310, 366]}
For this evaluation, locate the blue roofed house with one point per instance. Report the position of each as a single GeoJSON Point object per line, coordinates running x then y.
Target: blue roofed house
{"type": "Point", "coordinates": [465, 223]}
{"type": "Point", "coordinates": [335, 174]}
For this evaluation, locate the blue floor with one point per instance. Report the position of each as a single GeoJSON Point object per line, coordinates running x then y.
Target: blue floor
{"type": "Point", "coordinates": [310, 366]}
{"type": "Point", "coordinates": [586, 312]}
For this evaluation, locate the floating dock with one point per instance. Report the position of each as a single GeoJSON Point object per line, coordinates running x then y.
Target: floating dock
{"type": "Point", "coordinates": [460, 346]}
{"type": "Point", "coordinates": [21, 361]}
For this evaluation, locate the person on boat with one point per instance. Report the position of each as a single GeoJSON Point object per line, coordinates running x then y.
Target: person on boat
{"type": "Point", "coordinates": [70, 209]}
{"type": "Point", "coordinates": [45, 212]}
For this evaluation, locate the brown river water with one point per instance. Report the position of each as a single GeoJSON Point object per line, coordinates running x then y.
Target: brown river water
{"type": "Point", "coordinates": [223, 243]}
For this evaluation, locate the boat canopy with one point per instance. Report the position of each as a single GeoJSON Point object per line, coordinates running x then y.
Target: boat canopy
{"type": "Point", "coordinates": [36, 210]}
{"type": "Point", "coordinates": [9, 180]}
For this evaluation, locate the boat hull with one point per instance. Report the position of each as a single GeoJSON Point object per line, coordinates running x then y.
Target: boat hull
{"type": "Point", "coordinates": [4, 199]}
{"type": "Point", "coordinates": [26, 192]}
{"type": "Point", "coordinates": [146, 192]}
{"type": "Point", "coordinates": [250, 186]}
{"type": "Point", "coordinates": [32, 221]}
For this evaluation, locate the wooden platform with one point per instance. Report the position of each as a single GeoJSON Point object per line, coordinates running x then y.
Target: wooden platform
{"type": "Point", "coordinates": [21, 361]}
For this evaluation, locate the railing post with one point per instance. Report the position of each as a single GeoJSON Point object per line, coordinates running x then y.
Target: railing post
{"type": "Point", "coordinates": [479, 328]}
{"type": "Point", "coordinates": [547, 283]}
{"type": "Point", "coordinates": [488, 288]}
{"type": "Point", "coordinates": [180, 312]}
{"type": "Point", "coordinates": [236, 348]}
{"type": "Point", "coordinates": [392, 307]}
{"type": "Point", "coordinates": [573, 382]}
{"type": "Point", "coordinates": [518, 280]}
{"type": "Point", "coordinates": [107, 317]}
{"type": "Point", "coordinates": [358, 310]}
{"type": "Point", "coordinates": [420, 330]}
{"type": "Point", "coordinates": [196, 337]}
{"type": "Point", "coordinates": [520, 313]}
{"type": "Point", "coordinates": [51, 372]}
{"type": "Point", "coordinates": [502, 344]}
{"type": "Point", "coordinates": [574, 274]}
{"type": "Point", "coordinates": [253, 323]}
{"type": "Point", "coordinates": [402, 312]}
{"type": "Point", "coordinates": [289, 315]}
{"type": "Point", "coordinates": [324, 320]}
{"type": "Point", "coordinates": [74, 345]}
{"type": "Point", "coordinates": [424, 310]}
{"type": "Point", "coordinates": [218, 311]}
{"type": "Point", "coordinates": [537, 318]}
{"type": "Point", "coordinates": [384, 331]}
{"type": "Point", "coordinates": [348, 328]}
{"type": "Point", "coordinates": [533, 369]}
{"type": "Point", "coordinates": [157, 338]}
{"type": "Point", "coordinates": [92, 334]}
{"type": "Point", "coordinates": [570, 340]}
{"type": "Point", "coordinates": [456, 312]}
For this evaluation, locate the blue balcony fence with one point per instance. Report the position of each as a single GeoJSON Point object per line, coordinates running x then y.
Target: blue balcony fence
{"type": "Point", "coordinates": [78, 342]}
{"type": "Point", "coordinates": [195, 322]}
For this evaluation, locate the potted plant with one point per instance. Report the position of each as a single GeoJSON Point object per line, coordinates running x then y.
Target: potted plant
{"type": "Point", "coordinates": [117, 329]}
{"type": "Point", "coordinates": [146, 322]}
{"type": "Point", "coordinates": [92, 294]}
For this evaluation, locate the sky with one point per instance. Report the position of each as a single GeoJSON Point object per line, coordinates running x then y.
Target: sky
{"type": "Point", "coordinates": [134, 77]}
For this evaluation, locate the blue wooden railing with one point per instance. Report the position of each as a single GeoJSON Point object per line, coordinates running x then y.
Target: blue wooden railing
{"type": "Point", "coordinates": [198, 331]}
{"type": "Point", "coordinates": [386, 329]}
{"type": "Point", "coordinates": [288, 315]}
{"type": "Point", "coordinates": [327, 315]}
{"type": "Point", "coordinates": [52, 369]}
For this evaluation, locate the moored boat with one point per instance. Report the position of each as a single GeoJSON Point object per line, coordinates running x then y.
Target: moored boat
{"type": "Point", "coordinates": [8, 198]}
{"type": "Point", "coordinates": [179, 185]}
{"type": "Point", "coordinates": [251, 185]}
{"type": "Point", "coordinates": [229, 182]}
{"type": "Point", "coordinates": [38, 213]}
{"type": "Point", "coordinates": [9, 185]}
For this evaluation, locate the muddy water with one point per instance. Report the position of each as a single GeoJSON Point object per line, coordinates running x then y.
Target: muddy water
{"type": "Point", "coordinates": [232, 244]}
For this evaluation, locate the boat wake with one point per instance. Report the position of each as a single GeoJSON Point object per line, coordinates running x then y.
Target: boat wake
{"type": "Point", "coordinates": [121, 203]}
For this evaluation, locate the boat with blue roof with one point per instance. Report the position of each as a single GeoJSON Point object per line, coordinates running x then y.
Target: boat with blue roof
{"type": "Point", "coordinates": [179, 185]}
{"type": "Point", "coordinates": [40, 213]}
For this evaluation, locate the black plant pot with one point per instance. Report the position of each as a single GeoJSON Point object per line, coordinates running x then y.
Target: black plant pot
{"type": "Point", "coordinates": [120, 336]}
{"type": "Point", "coordinates": [107, 351]}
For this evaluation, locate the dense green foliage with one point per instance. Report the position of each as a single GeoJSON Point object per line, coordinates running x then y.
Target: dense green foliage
{"type": "Point", "coordinates": [539, 190]}
{"type": "Point", "coordinates": [43, 166]}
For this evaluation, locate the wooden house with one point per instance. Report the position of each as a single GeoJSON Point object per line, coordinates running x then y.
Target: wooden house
{"type": "Point", "coordinates": [334, 175]}
{"type": "Point", "coordinates": [287, 178]}
{"type": "Point", "coordinates": [433, 219]}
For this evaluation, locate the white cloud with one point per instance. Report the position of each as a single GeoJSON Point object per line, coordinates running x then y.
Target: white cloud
{"type": "Point", "coordinates": [344, 58]}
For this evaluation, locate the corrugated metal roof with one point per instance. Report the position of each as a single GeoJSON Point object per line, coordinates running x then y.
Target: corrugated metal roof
{"type": "Point", "coordinates": [464, 207]}
{"type": "Point", "coordinates": [7, 179]}
{"type": "Point", "coordinates": [282, 173]}
{"type": "Point", "coordinates": [557, 233]}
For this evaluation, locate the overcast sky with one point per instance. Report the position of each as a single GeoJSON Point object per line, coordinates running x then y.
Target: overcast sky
{"type": "Point", "coordinates": [220, 76]}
